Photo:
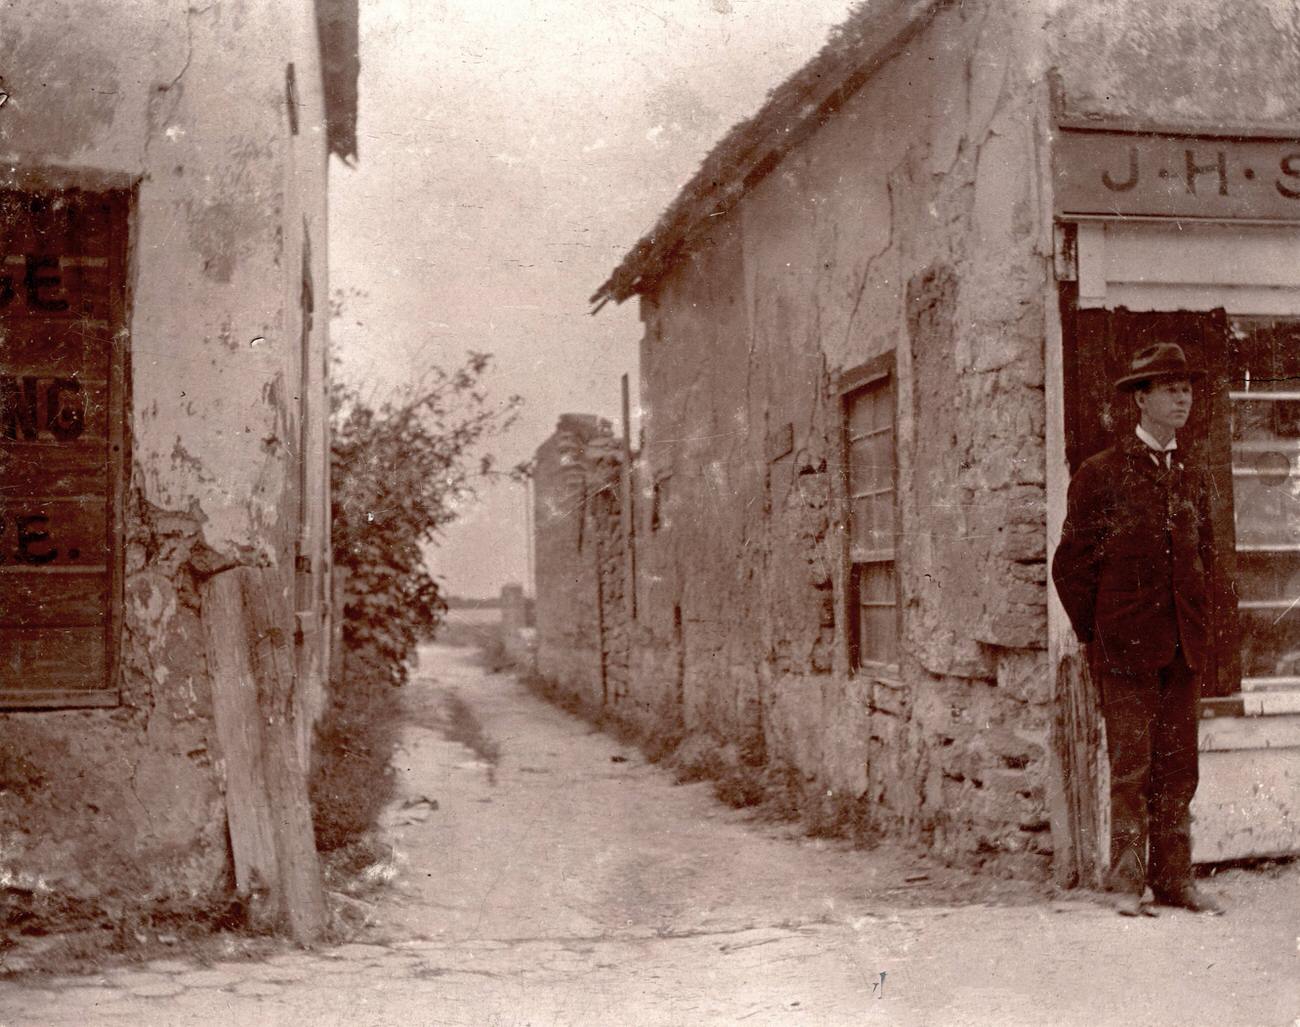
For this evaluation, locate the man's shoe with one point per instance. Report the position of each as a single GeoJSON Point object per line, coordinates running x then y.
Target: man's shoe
{"type": "Point", "coordinates": [1129, 904]}
{"type": "Point", "coordinates": [1192, 898]}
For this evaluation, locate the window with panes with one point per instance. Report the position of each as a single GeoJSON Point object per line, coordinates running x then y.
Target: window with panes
{"type": "Point", "coordinates": [1264, 411]}
{"type": "Point", "coordinates": [870, 476]}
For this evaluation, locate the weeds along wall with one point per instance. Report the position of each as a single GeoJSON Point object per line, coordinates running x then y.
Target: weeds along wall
{"type": "Point", "coordinates": [209, 119]}
{"type": "Point", "coordinates": [910, 226]}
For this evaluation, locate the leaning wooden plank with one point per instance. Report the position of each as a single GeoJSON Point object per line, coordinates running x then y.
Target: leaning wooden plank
{"type": "Point", "coordinates": [270, 636]}
{"type": "Point", "coordinates": [239, 734]}
{"type": "Point", "coordinates": [1077, 733]}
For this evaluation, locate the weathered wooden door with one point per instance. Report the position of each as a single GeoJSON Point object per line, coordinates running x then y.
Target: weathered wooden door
{"type": "Point", "coordinates": [63, 353]}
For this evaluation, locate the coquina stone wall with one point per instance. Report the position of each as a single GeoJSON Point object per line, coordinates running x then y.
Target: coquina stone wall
{"type": "Point", "coordinates": [916, 221]}
{"type": "Point", "coordinates": [911, 223]}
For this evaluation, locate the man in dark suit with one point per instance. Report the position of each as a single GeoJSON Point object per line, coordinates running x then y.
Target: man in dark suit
{"type": "Point", "coordinates": [1132, 573]}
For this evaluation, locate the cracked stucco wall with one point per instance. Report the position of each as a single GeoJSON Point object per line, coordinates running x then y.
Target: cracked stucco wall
{"type": "Point", "coordinates": [227, 403]}
{"type": "Point", "coordinates": [910, 222]}
{"type": "Point", "coordinates": [1169, 62]}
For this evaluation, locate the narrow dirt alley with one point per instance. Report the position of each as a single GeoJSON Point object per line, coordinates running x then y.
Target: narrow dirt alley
{"type": "Point", "coordinates": [549, 875]}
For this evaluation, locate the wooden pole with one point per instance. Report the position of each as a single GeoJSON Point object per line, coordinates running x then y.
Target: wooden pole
{"type": "Point", "coordinates": [271, 624]}
{"type": "Point", "coordinates": [628, 513]}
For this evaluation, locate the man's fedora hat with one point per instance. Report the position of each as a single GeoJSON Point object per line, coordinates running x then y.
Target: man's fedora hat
{"type": "Point", "coordinates": [1163, 360]}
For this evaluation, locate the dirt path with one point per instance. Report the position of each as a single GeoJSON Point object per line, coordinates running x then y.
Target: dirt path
{"type": "Point", "coordinates": [562, 880]}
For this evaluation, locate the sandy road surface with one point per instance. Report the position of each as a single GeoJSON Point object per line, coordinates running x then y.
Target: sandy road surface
{"type": "Point", "coordinates": [562, 880]}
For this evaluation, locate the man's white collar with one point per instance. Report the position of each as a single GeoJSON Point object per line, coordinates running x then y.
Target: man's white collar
{"type": "Point", "coordinates": [1149, 439]}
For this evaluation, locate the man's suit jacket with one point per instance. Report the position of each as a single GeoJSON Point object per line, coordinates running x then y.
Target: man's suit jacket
{"type": "Point", "coordinates": [1132, 566]}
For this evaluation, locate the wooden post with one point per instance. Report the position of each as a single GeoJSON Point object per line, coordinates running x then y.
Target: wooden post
{"type": "Point", "coordinates": [239, 733]}
{"type": "Point", "coordinates": [248, 624]}
{"type": "Point", "coordinates": [627, 518]}
{"type": "Point", "coordinates": [628, 515]}
{"type": "Point", "coordinates": [1077, 741]}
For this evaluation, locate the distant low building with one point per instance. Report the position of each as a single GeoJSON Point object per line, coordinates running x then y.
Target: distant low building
{"type": "Point", "coordinates": [880, 327]}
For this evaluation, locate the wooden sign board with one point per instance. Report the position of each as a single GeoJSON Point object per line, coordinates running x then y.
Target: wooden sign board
{"type": "Point", "coordinates": [1155, 174]}
{"type": "Point", "coordinates": [62, 447]}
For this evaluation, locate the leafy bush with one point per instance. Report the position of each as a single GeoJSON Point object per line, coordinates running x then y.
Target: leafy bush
{"type": "Point", "coordinates": [400, 471]}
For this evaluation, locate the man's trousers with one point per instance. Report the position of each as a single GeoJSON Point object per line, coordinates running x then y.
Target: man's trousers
{"type": "Point", "coordinates": [1151, 736]}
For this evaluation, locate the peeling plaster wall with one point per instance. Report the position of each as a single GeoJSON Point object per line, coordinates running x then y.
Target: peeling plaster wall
{"type": "Point", "coordinates": [1171, 62]}
{"type": "Point", "coordinates": [910, 222]}
{"type": "Point", "coordinates": [189, 103]}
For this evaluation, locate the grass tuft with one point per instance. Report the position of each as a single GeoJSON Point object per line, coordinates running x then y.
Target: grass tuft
{"type": "Point", "coordinates": [352, 776]}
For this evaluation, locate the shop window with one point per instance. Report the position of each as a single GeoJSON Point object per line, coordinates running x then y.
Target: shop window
{"type": "Point", "coordinates": [870, 474]}
{"type": "Point", "coordinates": [62, 444]}
{"type": "Point", "coordinates": [1265, 417]}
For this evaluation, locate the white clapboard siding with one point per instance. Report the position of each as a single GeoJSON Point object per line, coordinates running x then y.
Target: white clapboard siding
{"type": "Point", "coordinates": [1266, 704]}
{"type": "Point", "coordinates": [1219, 734]}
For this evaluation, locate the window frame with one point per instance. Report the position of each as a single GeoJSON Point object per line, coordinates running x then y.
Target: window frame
{"type": "Point", "coordinates": [870, 377]}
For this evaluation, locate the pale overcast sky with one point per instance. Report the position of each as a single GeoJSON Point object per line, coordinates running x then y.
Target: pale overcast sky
{"type": "Point", "coordinates": [511, 152]}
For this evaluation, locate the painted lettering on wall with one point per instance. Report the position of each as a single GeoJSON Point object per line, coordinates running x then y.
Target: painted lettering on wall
{"type": "Point", "coordinates": [37, 409]}
{"type": "Point", "coordinates": [25, 538]}
{"type": "Point", "coordinates": [40, 285]}
{"type": "Point", "coordinates": [1161, 175]}
{"type": "Point", "coordinates": [1196, 167]}
{"type": "Point", "coordinates": [34, 408]}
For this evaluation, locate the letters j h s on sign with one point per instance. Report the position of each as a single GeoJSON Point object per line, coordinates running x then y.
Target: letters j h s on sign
{"type": "Point", "coordinates": [1133, 174]}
